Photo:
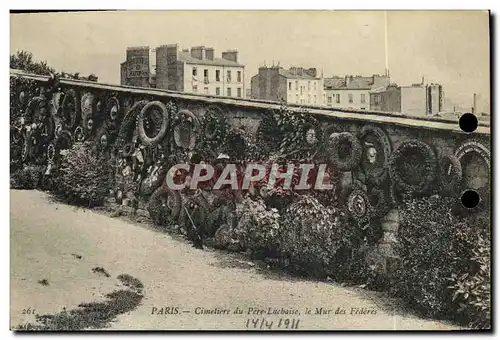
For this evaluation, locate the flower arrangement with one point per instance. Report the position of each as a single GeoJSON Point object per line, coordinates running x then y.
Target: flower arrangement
{"type": "Point", "coordinates": [311, 234]}
{"type": "Point", "coordinates": [257, 226]}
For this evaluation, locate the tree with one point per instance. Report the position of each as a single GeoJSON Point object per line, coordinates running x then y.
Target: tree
{"type": "Point", "coordinates": [24, 60]}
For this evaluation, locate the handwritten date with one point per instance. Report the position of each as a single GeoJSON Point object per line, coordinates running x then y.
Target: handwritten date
{"type": "Point", "coordinates": [264, 323]}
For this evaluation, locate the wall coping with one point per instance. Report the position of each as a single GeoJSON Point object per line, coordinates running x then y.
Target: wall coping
{"type": "Point", "coordinates": [368, 116]}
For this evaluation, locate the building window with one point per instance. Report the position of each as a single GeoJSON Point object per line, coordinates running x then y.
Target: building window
{"type": "Point", "coordinates": [350, 98]}
{"type": "Point", "coordinates": [363, 98]}
{"type": "Point", "coordinates": [238, 92]}
{"type": "Point", "coordinates": [195, 72]}
{"type": "Point", "coordinates": [217, 75]}
{"type": "Point", "coordinates": [290, 86]}
{"type": "Point", "coordinates": [228, 76]}
{"type": "Point", "coordinates": [314, 99]}
{"type": "Point", "coordinates": [229, 90]}
{"type": "Point", "coordinates": [238, 76]}
{"type": "Point", "coordinates": [296, 98]}
{"type": "Point", "coordinates": [296, 85]}
{"type": "Point", "coordinates": [205, 76]}
{"type": "Point", "coordinates": [195, 89]}
{"type": "Point", "coordinates": [314, 84]}
{"type": "Point", "coordinates": [308, 86]}
{"type": "Point", "coordinates": [329, 102]}
{"type": "Point", "coordinates": [205, 90]}
{"type": "Point", "coordinates": [217, 91]}
{"type": "Point", "coordinates": [376, 99]}
{"type": "Point", "coordinates": [301, 90]}
{"type": "Point", "coordinates": [308, 99]}
{"type": "Point", "coordinates": [337, 98]}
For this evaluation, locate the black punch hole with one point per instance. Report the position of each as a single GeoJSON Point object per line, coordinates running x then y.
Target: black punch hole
{"type": "Point", "coordinates": [468, 122]}
{"type": "Point", "coordinates": [470, 199]}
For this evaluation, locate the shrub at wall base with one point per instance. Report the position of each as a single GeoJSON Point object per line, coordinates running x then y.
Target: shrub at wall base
{"type": "Point", "coordinates": [84, 176]}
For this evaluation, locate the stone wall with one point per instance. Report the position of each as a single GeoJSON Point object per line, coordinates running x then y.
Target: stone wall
{"type": "Point", "coordinates": [371, 150]}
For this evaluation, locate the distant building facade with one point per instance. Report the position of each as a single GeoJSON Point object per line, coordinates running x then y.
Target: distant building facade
{"type": "Point", "coordinates": [193, 71]}
{"type": "Point", "coordinates": [352, 91]}
{"type": "Point", "coordinates": [422, 100]}
{"type": "Point", "coordinates": [386, 99]}
{"type": "Point", "coordinates": [135, 70]}
{"type": "Point", "coordinates": [297, 85]}
{"type": "Point", "coordinates": [435, 98]}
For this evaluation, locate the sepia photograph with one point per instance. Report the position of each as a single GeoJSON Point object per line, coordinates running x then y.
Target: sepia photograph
{"type": "Point", "coordinates": [250, 170]}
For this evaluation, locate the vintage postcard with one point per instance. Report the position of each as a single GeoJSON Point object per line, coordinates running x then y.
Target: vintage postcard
{"type": "Point", "coordinates": [250, 170]}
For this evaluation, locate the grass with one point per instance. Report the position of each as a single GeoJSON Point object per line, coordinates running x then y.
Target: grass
{"type": "Point", "coordinates": [43, 282]}
{"type": "Point", "coordinates": [94, 315]}
{"type": "Point", "coordinates": [100, 270]}
{"type": "Point", "coordinates": [131, 282]}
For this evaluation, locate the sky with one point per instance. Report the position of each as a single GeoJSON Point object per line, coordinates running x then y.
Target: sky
{"type": "Point", "coordinates": [446, 47]}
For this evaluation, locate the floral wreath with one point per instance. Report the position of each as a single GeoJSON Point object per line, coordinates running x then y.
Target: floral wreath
{"type": "Point", "coordinates": [269, 134]}
{"type": "Point", "coordinates": [215, 127]}
{"type": "Point", "coordinates": [112, 102]}
{"type": "Point", "coordinates": [474, 146]}
{"type": "Point", "coordinates": [33, 111]}
{"type": "Point", "coordinates": [51, 152]}
{"type": "Point", "coordinates": [358, 206]}
{"type": "Point", "coordinates": [400, 154]}
{"type": "Point", "coordinates": [384, 141]}
{"type": "Point", "coordinates": [354, 156]}
{"type": "Point", "coordinates": [450, 175]}
{"type": "Point", "coordinates": [68, 109]}
{"type": "Point", "coordinates": [129, 124]}
{"type": "Point", "coordinates": [185, 117]}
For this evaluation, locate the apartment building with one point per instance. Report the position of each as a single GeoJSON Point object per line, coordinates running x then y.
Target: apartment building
{"type": "Point", "coordinates": [297, 85]}
{"type": "Point", "coordinates": [421, 99]}
{"type": "Point", "coordinates": [194, 71]}
{"type": "Point", "coordinates": [352, 91]}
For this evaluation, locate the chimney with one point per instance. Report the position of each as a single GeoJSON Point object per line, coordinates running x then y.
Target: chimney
{"type": "Point", "coordinates": [312, 72]}
{"type": "Point", "coordinates": [348, 80]}
{"type": "Point", "coordinates": [137, 51]}
{"type": "Point", "coordinates": [209, 53]}
{"type": "Point", "coordinates": [231, 55]}
{"type": "Point", "coordinates": [165, 55]}
{"type": "Point", "coordinates": [198, 52]}
{"type": "Point", "coordinates": [166, 52]}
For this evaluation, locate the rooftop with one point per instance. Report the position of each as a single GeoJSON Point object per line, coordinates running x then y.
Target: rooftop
{"type": "Point", "coordinates": [133, 48]}
{"type": "Point", "coordinates": [334, 82]}
{"type": "Point", "coordinates": [188, 59]}
{"type": "Point", "coordinates": [290, 75]}
{"type": "Point", "coordinates": [293, 73]}
{"type": "Point", "coordinates": [356, 82]}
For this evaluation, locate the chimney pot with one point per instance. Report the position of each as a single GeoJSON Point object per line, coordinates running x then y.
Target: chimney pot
{"type": "Point", "coordinates": [198, 52]}
{"type": "Point", "coordinates": [209, 53]}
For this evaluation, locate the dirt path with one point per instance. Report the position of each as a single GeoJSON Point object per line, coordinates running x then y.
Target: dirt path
{"type": "Point", "coordinates": [63, 244]}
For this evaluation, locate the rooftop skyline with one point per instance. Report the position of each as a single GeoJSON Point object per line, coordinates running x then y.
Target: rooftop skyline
{"type": "Point", "coordinates": [446, 47]}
